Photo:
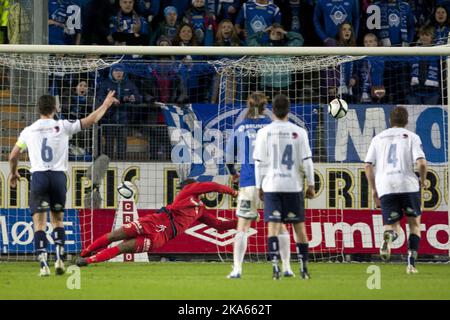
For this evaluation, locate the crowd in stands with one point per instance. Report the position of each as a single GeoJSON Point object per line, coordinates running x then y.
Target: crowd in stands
{"type": "Point", "coordinates": [179, 79]}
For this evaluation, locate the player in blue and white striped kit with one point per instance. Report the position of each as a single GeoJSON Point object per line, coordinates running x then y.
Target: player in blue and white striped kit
{"type": "Point", "coordinates": [240, 148]}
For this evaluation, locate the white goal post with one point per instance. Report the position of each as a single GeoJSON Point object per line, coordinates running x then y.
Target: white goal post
{"type": "Point", "coordinates": [114, 54]}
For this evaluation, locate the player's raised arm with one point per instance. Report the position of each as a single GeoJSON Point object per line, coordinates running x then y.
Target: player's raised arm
{"type": "Point", "coordinates": [220, 225]}
{"type": "Point", "coordinates": [98, 114]}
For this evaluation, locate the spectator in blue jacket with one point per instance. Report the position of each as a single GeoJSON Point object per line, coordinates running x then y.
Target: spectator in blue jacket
{"type": "Point", "coordinates": [397, 23]}
{"type": "Point", "coordinates": [425, 75]}
{"type": "Point", "coordinates": [256, 16]}
{"type": "Point", "coordinates": [128, 27]}
{"type": "Point", "coordinates": [440, 21]}
{"type": "Point", "coordinates": [369, 73]}
{"type": "Point", "coordinates": [115, 121]}
{"type": "Point", "coordinates": [330, 14]}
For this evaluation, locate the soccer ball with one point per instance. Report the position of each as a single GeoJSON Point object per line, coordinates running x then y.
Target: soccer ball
{"type": "Point", "coordinates": [126, 189]}
{"type": "Point", "coordinates": [337, 108]}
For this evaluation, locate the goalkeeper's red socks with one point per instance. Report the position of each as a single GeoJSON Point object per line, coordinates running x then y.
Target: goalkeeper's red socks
{"type": "Point", "coordinates": [104, 255]}
{"type": "Point", "coordinates": [100, 243]}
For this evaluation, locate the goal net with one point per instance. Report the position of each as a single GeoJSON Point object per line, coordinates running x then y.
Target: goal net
{"type": "Point", "coordinates": [174, 120]}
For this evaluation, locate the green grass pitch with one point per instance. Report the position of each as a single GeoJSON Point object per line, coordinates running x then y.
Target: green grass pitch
{"type": "Point", "coordinates": [197, 281]}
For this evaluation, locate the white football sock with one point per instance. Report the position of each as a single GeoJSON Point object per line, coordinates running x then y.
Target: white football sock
{"type": "Point", "coordinates": [284, 241]}
{"type": "Point", "coordinates": [240, 247]}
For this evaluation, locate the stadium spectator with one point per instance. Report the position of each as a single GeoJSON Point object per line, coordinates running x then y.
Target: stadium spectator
{"type": "Point", "coordinates": [114, 124]}
{"type": "Point", "coordinates": [64, 22]}
{"type": "Point", "coordinates": [167, 28]}
{"type": "Point", "coordinates": [202, 21]}
{"type": "Point", "coordinates": [256, 16]}
{"type": "Point", "coordinates": [397, 23]}
{"type": "Point", "coordinates": [341, 81]}
{"type": "Point", "coordinates": [444, 3]}
{"type": "Point", "coordinates": [369, 74]}
{"type": "Point", "coordinates": [396, 29]}
{"type": "Point", "coordinates": [226, 35]}
{"type": "Point", "coordinates": [96, 30]}
{"type": "Point", "coordinates": [276, 81]}
{"type": "Point", "coordinates": [127, 27]}
{"type": "Point", "coordinates": [76, 103]}
{"type": "Point", "coordinates": [148, 9]}
{"type": "Point", "coordinates": [425, 73]}
{"type": "Point", "coordinates": [290, 14]}
{"type": "Point", "coordinates": [441, 22]}
{"type": "Point", "coordinates": [180, 5]}
{"type": "Point", "coordinates": [185, 36]}
{"type": "Point", "coordinates": [276, 36]}
{"type": "Point", "coordinates": [330, 14]}
{"type": "Point", "coordinates": [166, 85]}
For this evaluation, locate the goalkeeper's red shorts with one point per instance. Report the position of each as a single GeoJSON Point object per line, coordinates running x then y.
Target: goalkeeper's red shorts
{"type": "Point", "coordinates": [150, 232]}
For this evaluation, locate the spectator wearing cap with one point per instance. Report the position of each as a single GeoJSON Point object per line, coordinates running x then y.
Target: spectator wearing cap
{"type": "Point", "coordinates": [180, 5]}
{"type": "Point", "coordinates": [167, 28]}
{"type": "Point", "coordinates": [114, 123]}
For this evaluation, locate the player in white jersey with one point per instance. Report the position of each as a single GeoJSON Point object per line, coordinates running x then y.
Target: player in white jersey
{"type": "Point", "coordinates": [47, 141]}
{"type": "Point", "coordinates": [281, 155]}
{"type": "Point", "coordinates": [395, 188]}
{"type": "Point", "coordinates": [240, 149]}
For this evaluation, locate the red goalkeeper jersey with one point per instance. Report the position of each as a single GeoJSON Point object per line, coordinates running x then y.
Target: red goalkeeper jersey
{"type": "Point", "coordinates": [185, 210]}
{"type": "Point", "coordinates": [188, 208]}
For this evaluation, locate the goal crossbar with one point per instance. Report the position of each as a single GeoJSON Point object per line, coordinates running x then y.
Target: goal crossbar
{"type": "Point", "coordinates": [443, 50]}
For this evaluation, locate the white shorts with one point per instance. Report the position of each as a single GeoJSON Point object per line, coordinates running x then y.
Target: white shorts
{"type": "Point", "coordinates": [248, 203]}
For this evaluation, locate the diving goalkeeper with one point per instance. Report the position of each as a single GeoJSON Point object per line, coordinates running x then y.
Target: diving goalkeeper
{"type": "Point", "coordinates": [154, 230]}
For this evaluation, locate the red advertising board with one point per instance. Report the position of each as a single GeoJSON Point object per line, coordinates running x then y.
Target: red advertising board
{"type": "Point", "coordinates": [353, 231]}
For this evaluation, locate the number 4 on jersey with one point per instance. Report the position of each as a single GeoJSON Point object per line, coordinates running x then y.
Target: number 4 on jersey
{"type": "Point", "coordinates": [392, 155]}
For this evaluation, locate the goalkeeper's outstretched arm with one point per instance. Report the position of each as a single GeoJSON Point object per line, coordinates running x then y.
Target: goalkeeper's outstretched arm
{"type": "Point", "coordinates": [98, 114]}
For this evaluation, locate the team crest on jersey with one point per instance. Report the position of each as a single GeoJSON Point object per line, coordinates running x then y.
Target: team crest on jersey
{"type": "Point", "coordinates": [294, 135]}
{"type": "Point", "coordinates": [57, 129]}
{"type": "Point", "coordinates": [258, 24]}
{"type": "Point", "coordinates": [394, 20]}
{"type": "Point", "coordinates": [338, 15]}
{"type": "Point", "coordinates": [405, 136]}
